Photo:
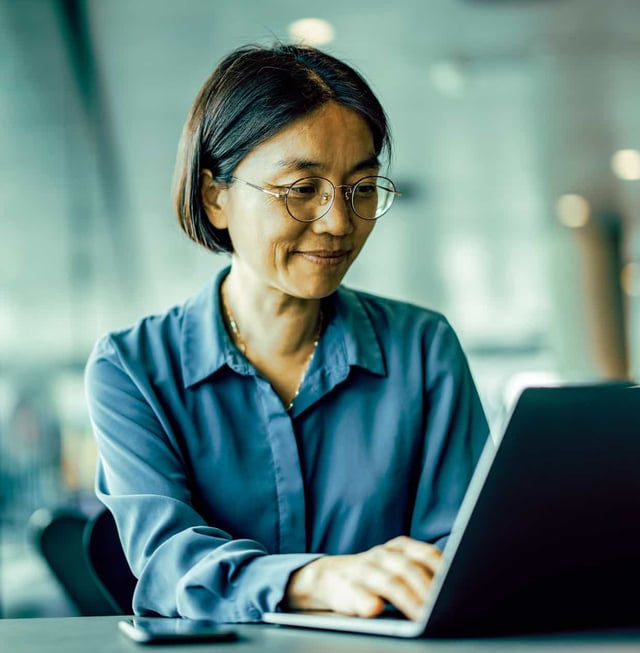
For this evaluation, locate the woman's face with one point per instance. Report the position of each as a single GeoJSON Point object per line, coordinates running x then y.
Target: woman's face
{"type": "Point", "coordinates": [271, 249]}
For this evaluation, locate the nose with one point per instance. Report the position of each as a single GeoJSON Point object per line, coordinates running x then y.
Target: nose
{"type": "Point", "coordinates": [338, 221]}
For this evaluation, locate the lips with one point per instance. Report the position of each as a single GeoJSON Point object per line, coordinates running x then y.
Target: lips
{"type": "Point", "coordinates": [326, 253]}
{"type": "Point", "coordinates": [325, 256]}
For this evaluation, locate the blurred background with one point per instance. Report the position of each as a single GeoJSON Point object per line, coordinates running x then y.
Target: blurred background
{"type": "Point", "coordinates": [517, 138]}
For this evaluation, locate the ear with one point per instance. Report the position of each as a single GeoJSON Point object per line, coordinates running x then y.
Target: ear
{"type": "Point", "coordinates": [213, 195]}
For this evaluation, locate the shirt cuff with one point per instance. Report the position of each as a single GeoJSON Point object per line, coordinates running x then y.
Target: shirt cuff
{"type": "Point", "coordinates": [264, 581]}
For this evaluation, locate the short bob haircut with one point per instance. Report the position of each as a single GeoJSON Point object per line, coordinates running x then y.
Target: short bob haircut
{"type": "Point", "coordinates": [254, 93]}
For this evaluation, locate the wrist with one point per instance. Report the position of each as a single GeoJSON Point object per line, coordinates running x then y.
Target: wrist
{"type": "Point", "coordinates": [301, 591]}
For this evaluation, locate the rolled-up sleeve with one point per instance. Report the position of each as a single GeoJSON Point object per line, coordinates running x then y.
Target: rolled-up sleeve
{"type": "Point", "coordinates": [184, 565]}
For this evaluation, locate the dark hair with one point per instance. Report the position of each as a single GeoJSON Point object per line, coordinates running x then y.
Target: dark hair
{"type": "Point", "coordinates": [254, 93]}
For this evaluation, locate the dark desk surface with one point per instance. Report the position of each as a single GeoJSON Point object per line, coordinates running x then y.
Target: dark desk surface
{"type": "Point", "coordinates": [101, 635]}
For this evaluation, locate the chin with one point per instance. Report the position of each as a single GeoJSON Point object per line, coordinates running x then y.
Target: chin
{"type": "Point", "coordinates": [316, 291]}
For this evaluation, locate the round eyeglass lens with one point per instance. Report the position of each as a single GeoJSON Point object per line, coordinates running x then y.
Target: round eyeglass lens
{"type": "Point", "coordinates": [309, 199]}
{"type": "Point", "coordinates": [373, 196]}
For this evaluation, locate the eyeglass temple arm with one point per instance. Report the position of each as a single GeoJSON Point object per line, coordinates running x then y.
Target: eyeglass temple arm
{"type": "Point", "coordinates": [395, 193]}
{"type": "Point", "coordinates": [264, 190]}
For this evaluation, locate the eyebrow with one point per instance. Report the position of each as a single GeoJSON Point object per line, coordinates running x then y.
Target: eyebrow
{"type": "Point", "coordinates": [367, 164]}
{"type": "Point", "coordinates": [307, 164]}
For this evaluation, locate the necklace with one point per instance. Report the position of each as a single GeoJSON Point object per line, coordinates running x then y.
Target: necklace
{"type": "Point", "coordinates": [242, 345]}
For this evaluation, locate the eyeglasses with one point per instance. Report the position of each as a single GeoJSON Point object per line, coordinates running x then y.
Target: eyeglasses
{"type": "Point", "coordinates": [311, 198]}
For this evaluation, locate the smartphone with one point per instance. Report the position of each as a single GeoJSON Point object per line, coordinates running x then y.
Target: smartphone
{"type": "Point", "coordinates": [162, 630]}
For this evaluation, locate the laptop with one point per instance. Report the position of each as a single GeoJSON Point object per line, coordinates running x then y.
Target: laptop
{"type": "Point", "coordinates": [548, 536]}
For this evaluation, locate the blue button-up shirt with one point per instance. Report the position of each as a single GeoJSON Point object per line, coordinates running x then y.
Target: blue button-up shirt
{"type": "Point", "coordinates": [220, 493]}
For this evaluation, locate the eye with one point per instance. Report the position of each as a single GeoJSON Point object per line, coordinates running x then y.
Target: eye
{"type": "Point", "coordinates": [305, 189]}
{"type": "Point", "coordinates": [366, 189]}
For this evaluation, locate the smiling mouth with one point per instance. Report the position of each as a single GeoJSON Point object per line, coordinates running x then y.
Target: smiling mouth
{"type": "Point", "coordinates": [326, 257]}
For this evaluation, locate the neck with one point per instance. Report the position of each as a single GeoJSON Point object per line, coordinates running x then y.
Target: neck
{"type": "Point", "coordinates": [270, 324]}
{"type": "Point", "coordinates": [276, 332]}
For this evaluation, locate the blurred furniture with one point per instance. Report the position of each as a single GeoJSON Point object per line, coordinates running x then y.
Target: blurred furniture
{"type": "Point", "coordinates": [107, 562]}
{"type": "Point", "coordinates": [58, 535]}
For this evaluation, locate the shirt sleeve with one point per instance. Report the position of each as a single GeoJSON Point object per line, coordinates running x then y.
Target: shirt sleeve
{"type": "Point", "coordinates": [456, 433]}
{"type": "Point", "coordinates": [185, 566]}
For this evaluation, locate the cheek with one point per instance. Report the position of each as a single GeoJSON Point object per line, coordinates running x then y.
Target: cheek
{"type": "Point", "coordinates": [261, 233]}
{"type": "Point", "coordinates": [248, 222]}
{"type": "Point", "coordinates": [364, 230]}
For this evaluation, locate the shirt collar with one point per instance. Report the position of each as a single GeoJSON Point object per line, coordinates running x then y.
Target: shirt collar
{"type": "Point", "coordinates": [360, 340]}
{"type": "Point", "coordinates": [206, 346]}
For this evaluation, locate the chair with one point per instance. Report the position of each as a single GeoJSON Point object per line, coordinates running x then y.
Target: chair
{"type": "Point", "coordinates": [58, 537]}
{"type": "Point", "coordinates": [107, 562]}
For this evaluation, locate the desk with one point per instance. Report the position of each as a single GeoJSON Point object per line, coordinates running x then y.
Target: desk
{"type": "Point", "coordinates": [101, 635]}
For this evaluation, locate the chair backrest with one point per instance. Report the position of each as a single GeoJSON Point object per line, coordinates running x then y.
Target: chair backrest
{"type": "Point", "coordinates": [107, 561]}
{"type": "Point", "coordinates": [58, 536]}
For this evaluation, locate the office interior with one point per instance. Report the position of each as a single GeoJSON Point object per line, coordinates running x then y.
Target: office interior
{"type": "Point", "coordinates": [517, 151]}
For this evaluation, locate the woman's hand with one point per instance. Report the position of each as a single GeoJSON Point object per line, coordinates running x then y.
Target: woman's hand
{"type": "Point", "coordinates": [399, 571]}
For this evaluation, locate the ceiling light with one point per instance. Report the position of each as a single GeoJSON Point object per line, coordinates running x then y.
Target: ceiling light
{"type": "Point", "coordinates": [572, 211]}
{"type": "Point", "coordinates": [312, 31]}
{"type": "Point", "coordinates": [626, 164]}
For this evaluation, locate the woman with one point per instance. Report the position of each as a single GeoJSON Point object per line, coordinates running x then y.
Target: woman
{"type": "Point", "coordinates": [281, 441]}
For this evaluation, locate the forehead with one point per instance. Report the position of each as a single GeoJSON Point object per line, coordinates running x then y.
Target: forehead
{"type": "Point", "coordinates": [333, 136]}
